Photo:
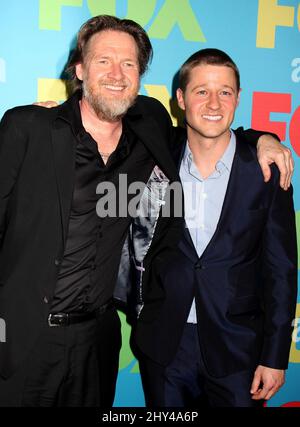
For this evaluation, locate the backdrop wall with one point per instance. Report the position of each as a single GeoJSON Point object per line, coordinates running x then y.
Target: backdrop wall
{"type": "Point", "coordinates": [262, 36]}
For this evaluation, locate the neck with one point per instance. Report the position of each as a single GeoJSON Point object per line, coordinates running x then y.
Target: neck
{"type": "Point", "coordinates": [106, 134]}
{"type": "Point", "coordinates": [207, 151]}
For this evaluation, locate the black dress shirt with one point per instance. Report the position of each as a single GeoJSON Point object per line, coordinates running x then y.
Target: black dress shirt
{"type": "Point", "coordinates": [89, 266]}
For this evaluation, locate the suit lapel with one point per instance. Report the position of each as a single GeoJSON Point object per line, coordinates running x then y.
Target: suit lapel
{"type": "Point", "coordinates": [149, 133]}
{"type": "Point", "coordinates": [235, 192]}
{"type": "Point", "coordinates": [63, 144]}
{"type": "Point", "coordinates": [186, 243]}
{"type": "Point", "coordinates": [179, 145]}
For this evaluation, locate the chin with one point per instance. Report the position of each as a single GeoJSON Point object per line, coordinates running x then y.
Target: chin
{"type": "Point", "coordinates": [212, 134]}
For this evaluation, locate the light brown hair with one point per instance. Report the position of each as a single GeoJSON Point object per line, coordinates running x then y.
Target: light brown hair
{"type": "Point", "coordinates": [104, 23]}
{"type": "Point", "coordinates": [206, 57]}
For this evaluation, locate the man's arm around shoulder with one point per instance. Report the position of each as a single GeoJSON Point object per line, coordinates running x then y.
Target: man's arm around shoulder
{"type": "Point", "coordinates": [270, 150]}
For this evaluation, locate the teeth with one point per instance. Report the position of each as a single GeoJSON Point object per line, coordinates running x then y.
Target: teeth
{"type": "Point", "coordinates": [114, 87]}
{"type": "Point", "coordinates": [212, 118]}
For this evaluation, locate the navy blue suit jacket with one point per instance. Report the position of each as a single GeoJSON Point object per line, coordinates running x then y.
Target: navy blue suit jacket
{"type": "Point", "coordinates": [245, 283]}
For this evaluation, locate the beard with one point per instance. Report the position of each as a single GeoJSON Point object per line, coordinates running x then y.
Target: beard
{"type": "Point", "coordinates": [108, 109]}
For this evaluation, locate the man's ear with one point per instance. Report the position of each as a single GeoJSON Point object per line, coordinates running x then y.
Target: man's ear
{"type": "Point", "coordinates": [239, 97]}
{"type": "Point", "coordinates": [180, 98]}
{"type": "Point", "coordinates": [79, 71]}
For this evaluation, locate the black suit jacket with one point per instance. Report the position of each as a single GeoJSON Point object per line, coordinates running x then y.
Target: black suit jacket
{"type": "Point", "coordinates": [245, 283]}
{"type": "Point", "coordinates": [37, 165]}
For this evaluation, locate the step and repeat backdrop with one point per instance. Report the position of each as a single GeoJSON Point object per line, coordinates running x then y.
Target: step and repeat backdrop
{"type": "Point", "coordinates": [262, 36]}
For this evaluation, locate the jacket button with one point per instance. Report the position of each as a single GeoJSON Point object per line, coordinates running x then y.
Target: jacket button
{"type": "Point", "coordinates": [57, 262]}
{"type": "Point", "coordinates": [45, 300]}
{"type": "Point", "coordinates": [199, 266]}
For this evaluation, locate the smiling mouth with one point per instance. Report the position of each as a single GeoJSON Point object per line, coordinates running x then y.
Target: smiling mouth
{"type": "Point", "coordinates": [212, 118]}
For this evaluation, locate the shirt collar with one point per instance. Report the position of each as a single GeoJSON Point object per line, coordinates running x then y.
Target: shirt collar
{"type": "Point", "coordinates": [224, 162]}
{"type": "Point", "coordinates": [228, 154]}
{"type": "Point", "coordinates": [70, 113]}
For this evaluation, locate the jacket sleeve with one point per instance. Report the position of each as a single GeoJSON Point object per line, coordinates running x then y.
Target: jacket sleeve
{"type": "Point", "coordinates": [279, 279]}
{"type": "Point", "coordinates": [251, 136]}
{"type": "Point", "coordinates": [12, 152]}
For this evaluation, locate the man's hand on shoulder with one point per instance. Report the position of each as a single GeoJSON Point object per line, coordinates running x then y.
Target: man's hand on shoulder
{"type": "Point", "coordinates": [46, 104]}
{"type": "Point", "coordinates": [266, 382]}
{"type": "Point", "coordinates": [269, 151]}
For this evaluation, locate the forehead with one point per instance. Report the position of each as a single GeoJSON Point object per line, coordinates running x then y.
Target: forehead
{"type": "Point", "coordinates": [113, 42]}
{"type": "Point", "coordinates": [206, 73]}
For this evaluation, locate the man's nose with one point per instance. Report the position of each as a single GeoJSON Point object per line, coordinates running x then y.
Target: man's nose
{"type": "Point", "coordinates": [116, 71]}
{"type": "Point", "coordinates": [213, 101]}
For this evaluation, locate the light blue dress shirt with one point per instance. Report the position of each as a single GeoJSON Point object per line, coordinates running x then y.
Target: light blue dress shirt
{"type": "Point", "coordinates": [203, 199]}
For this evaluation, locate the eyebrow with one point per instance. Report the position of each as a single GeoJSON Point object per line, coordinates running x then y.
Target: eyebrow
{"type": "Point", "coordinates": [204, 86]}
{"type": "Point", "coordinates": [229, 87]}
{"type": "Point", "coordinates": [105, 56]}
